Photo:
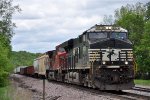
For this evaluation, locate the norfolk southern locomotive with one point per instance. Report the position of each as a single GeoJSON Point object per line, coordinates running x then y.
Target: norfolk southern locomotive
{"type": "Point", "coordinates": [101, 57]}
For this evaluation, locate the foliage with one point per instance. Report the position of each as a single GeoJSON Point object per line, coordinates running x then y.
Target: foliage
{"type": "Point", "coordinates": [23, 58]}
{"type": "Point", "coordinates": [148, 11]}
{"type": "Point", "coordinates": [143, 53]}
{"type": "Point", "coordinates": [131, 17]}
{"type": "Point", "coordinates": [6, 11]}
{"type": "Point", "coordinates": [4, 61]}
{"type": "Point", "coordinates": [3, 78]}
{"type": "Point", "coordinates": [9, 59]}
{"type": "Point", "coordinates": [6, 33]}
{"type": "Point", "coordinates": [108, 20]}
{"type": "Point", "coordinates": [136, 19]}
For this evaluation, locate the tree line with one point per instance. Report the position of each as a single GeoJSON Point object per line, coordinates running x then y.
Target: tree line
{"type": "Point", "coordinates": [10, 59]}
{"type": "Point", "coordinates": [22, 58]}
{"type": "Point", "coordinates": [6, 33]}
{"type": "Point", "coordinates": [136, 19]}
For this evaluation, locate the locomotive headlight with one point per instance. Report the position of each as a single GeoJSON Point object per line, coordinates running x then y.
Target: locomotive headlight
{"type": "Point", "coordinates": [126, 62]}
{"type": "Point", "coordinates": [104, 62]}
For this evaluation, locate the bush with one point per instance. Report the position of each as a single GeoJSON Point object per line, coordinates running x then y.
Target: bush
{"type": "Point", "coordinates": [3, 78]}
{"type": "Point", "coordinates": [142, 75]}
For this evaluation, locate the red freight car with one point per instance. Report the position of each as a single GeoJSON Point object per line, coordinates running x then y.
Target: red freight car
{"type": "Point", "coordinates": [29, 70]}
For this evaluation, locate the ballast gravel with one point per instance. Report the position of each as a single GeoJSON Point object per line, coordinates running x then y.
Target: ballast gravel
{"type": "Point", "coordinates": [55, 91]}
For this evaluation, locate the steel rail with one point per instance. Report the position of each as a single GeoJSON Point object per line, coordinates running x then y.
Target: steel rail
{"type": "Point", "coordinates": [141, 89]}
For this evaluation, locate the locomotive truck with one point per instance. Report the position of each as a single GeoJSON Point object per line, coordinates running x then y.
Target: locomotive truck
{"type": "Point", "coordinates": [101, 57]}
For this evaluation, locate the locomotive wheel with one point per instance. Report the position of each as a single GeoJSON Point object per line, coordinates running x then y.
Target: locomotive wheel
{"type": "Point", "coordinates": [89, 84]}
{"type": "Point", "coordinates": [93, 86]}
{"type": "Point", "coordinates": [85, 84]}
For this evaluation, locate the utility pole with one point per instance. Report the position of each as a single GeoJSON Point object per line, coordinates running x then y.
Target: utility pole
{"type": "Point", "coordinates": [43, 77]}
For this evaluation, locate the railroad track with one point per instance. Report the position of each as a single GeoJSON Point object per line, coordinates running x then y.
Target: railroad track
{"type": "Point", "coordinates": [122, 95]}
{"type": "Point", "coordinates": [141, 89]}
{"type": "Point", "coordinates": [133, 96]}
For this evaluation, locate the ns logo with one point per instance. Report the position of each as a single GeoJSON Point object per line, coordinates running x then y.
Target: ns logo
{"type": "Point", "coordinates": [110, 53]}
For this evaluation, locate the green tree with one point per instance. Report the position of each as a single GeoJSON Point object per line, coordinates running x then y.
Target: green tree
{"type": "Point", "coordinates": [131, 17]}
{"type": "Point", "coordinates": [136, 19]}
{"type": "Point", "coordinates": [108, 20]}
{"type": "Point", "coordinates": [148, 11]}
{"type": "Point", "coordinates": [4, 61]}
{"type": "Point", "coordinates": [143, 50]}
{"type": "Point", "coordinates": [6, 33]}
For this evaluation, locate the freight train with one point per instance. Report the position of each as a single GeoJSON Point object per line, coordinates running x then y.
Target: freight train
{"type": "Point", "coordinates": [101, 57]}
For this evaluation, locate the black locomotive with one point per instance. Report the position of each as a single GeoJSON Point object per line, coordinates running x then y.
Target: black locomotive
{"type": "Point", "coordinates": [101, 57]}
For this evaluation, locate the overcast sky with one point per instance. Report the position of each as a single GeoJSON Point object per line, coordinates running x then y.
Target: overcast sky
{"type": "Point", "coordinates": [43, 24]}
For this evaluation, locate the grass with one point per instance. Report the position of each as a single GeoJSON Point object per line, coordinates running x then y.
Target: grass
{"type": "Point", "coordinates": [13, 92]}
{"type": "Point", "coordinates": [142, 82]}
{"type": "Point", "coordinates": [4, 93]}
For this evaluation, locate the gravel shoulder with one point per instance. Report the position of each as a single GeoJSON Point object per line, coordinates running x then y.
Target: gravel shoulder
{"type": "Point", "coordinates": [55, 91]}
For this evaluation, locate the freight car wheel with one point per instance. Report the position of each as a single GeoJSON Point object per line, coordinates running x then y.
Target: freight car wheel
{"type": "Point", "coordinates": [85, 83]}
{"type": "Point", "coordinates": [36, 75]}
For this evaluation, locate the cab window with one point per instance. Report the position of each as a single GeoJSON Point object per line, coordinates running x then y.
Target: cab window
{"type": "Point", "coordinates": [118, 35]}
{"type": "Point", "coordinates": [97, 35]}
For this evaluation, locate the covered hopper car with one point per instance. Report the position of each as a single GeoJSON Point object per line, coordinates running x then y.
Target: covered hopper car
{"type": "Point", "coordinates": [41, 64]}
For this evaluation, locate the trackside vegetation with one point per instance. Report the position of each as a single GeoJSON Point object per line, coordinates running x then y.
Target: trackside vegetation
{"type": "Point", "coordinates": [142, 82]}
{"type": "Point", "coordinates": [136, 19]}
{"type": "Point", "coordinates": [4, 93]}
{"type": "Point", "coordinates": [22, 58]}
{"type": "Point", "coordinates": [6, 33]}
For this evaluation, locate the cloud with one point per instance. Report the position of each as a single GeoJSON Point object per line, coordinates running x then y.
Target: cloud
{"type": "Point", "coordinates": [43, 24]}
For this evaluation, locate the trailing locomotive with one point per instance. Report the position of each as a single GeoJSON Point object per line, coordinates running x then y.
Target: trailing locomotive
{"type": "Point", "coordinates": [101, 57]}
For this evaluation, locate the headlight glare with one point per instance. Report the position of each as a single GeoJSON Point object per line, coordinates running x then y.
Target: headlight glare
{"type": "Point", "coordinates": [126, 62]}
{"type": "Point", "coordinates": [104, 62]}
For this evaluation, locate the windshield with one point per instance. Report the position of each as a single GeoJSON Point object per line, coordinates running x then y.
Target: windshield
{"type": "Point", "coordinates": [118, 35]}
{"type": "Point", "coordinates": [97, 35]}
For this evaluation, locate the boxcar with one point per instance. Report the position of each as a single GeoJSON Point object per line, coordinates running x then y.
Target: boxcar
{"type": "Point", "coordinates": [23, 71]}
{"type": "Point", "coordinates": [29, 70]}
{"type": "Point", "coordinates": [17, 69]}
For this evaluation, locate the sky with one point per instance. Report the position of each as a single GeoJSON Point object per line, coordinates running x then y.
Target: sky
{"type": "Point", "coordinates": [44, 24]}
